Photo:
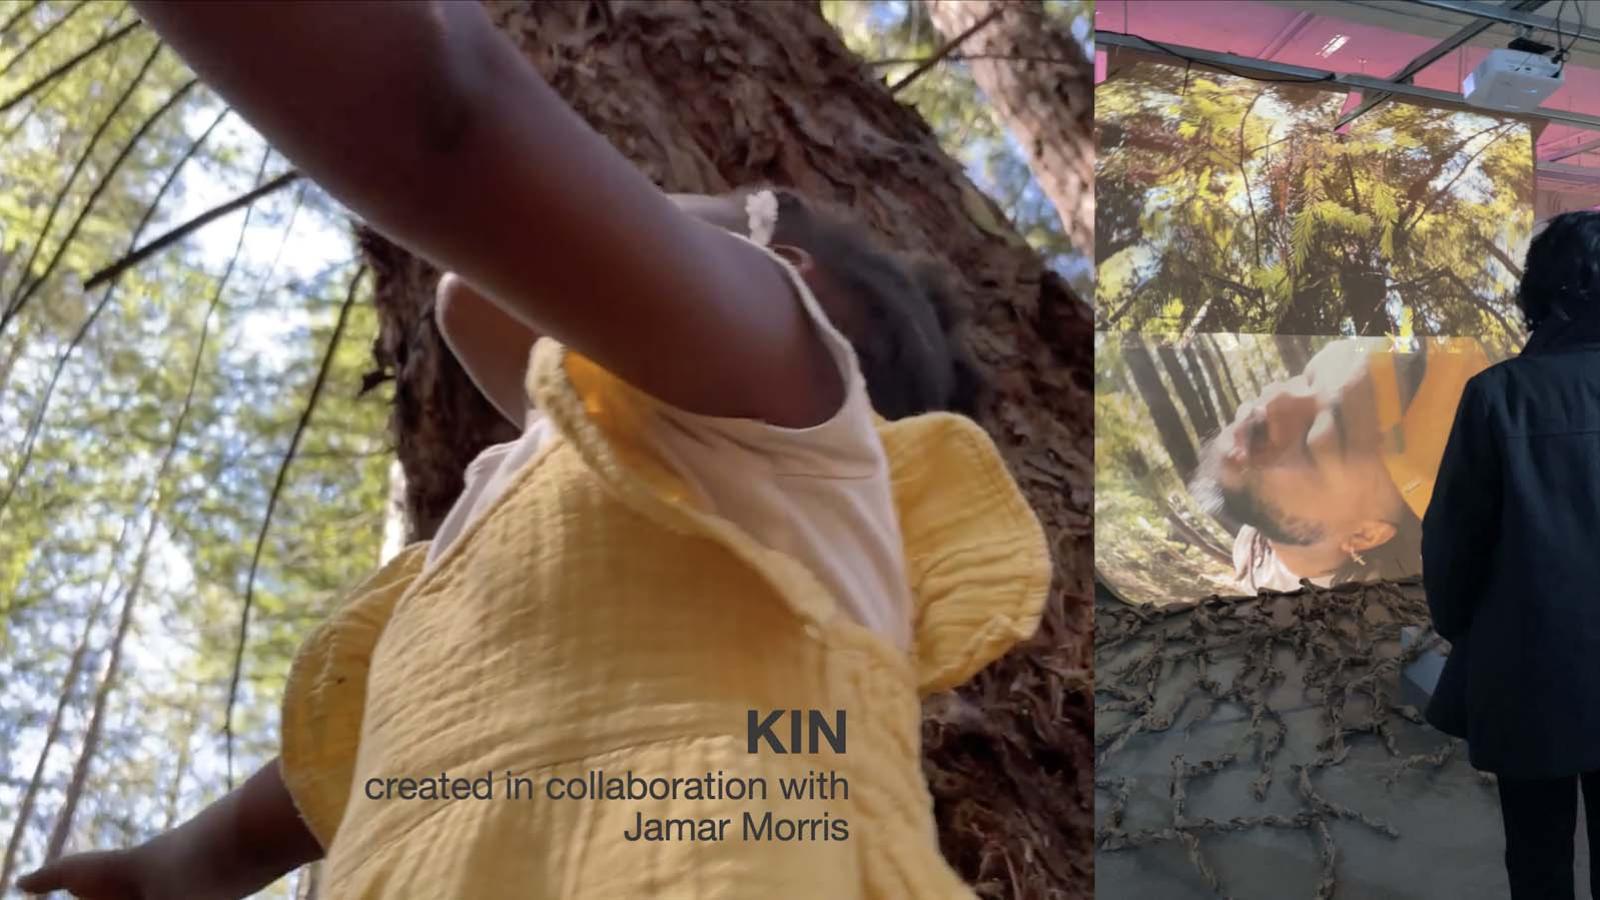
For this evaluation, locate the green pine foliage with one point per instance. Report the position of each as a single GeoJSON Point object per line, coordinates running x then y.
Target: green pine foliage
{"type": "Point", "coordinates": [1231, 205]}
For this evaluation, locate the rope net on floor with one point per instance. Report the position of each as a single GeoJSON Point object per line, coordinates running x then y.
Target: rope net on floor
{"type": "Point", "coordinates": [1156, 669]}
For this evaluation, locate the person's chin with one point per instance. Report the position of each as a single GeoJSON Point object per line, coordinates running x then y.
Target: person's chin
{"type": "Point", "coordinates": [1300, 563]}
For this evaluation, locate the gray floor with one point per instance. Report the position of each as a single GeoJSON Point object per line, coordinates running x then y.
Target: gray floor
{"type": "Point", "coordinates": [1449, 845]}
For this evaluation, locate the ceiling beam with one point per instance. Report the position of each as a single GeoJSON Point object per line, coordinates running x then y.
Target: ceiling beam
{"type": "Point", "coordinates": [1569, 152]}
{"type": "Point", "coordinates": [1243, 65]}
{"type": "Point", "coordinates": [1289, 33]}
{"type": "Point", "coordinates": [1429, 57]}
{"type": "Point", "coordinates": [1510, 17]}
{"type": "Point", "coordinates": [1565, 172]}
{"type": "Point", "coordinates": [1406, 17]}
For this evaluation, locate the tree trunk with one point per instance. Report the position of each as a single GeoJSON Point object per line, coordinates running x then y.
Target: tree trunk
{"type": "Point", "coordinates": [1197, 374]}
{"type": "Point", "coordinates": [394, 515]}
{"type": "Point", "coordinates": [8, 363]}
{"type": "Point", "coordinates": [1364, 295]}
{"type": "Point", "coordinates": [1168, 421]}
{"type": "Point", "coordinates": [1255, 381]}
{"type": "Point", "coordinates": [69, 683]}
{"type": "Point", "coordinates": [710, 95]}
{"type": "Point", "coordinates": [1227, 403]}
{"type": "Point", "coordinates": [1205, 423]}
{"type": "Point", "coordinates": [102, 696]}
{"type": "Point", "coordinates": [1224, 364]}
{"type": "Point", "coordinates": [1035, 75]}
{"type": "Point", "coordinates": [1294, 351]}
{"type": "Point", "coordinates": [191, 724]}
{"type": "Point", "coordinates": [1210, 391]}
{"type": "Point", "coordinates": [135, 583]}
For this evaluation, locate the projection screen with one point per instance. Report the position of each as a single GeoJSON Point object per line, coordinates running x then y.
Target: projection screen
{"type": "Point", "coordinates": [1286, 316]}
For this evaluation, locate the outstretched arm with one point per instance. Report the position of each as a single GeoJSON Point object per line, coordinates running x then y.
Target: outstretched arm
{"type": "Point", "coordinates": [427, 121]}
{"type": "Point", "coordinates": [233, 848]}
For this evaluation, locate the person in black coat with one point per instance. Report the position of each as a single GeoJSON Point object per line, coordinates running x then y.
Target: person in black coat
{"type": "Point", "coordinates": [1511, 566]}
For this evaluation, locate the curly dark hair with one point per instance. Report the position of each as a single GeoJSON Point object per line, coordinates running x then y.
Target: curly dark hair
{"type": "Point", "coordinates": [1561, 277]}
{"type": "Point", "coordinates": [900, 317]}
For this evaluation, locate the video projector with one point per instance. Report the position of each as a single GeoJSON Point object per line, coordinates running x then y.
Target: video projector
{"type": "Point", "coordinates": [1512, 80]}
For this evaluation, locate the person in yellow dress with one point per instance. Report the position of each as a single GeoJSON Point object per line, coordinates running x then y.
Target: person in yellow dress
{"type": "Point", "coordinates": [672, 641]}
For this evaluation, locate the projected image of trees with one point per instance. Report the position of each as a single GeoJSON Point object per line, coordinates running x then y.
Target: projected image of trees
{"type": "Point", "coordinates": [1230, 205]}
{"type": "Point", "coordinates": [1273, 296]}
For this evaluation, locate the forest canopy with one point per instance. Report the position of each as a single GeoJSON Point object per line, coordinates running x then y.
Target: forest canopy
{"type": "Point", "coordinates": [1229, 205]}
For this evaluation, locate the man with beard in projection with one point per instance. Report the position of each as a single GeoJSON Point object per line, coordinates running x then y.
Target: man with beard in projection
{"type": "Point", "coordinates": [1329, 473]}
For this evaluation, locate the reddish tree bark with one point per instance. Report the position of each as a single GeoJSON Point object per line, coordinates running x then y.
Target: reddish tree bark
{"type": "Point", "coordinates": [1189, 393]}
{"type": "Point", "coordinates": [1163, 412]}
{"type": "Point", "coordinates": [705, 96]}
{"type": "Point", "coordinates": [1036, 76]}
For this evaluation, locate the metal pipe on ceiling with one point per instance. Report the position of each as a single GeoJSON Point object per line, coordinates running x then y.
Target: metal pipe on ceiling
{"type": "Point", "coordinates": [1289, 33]}
{"type": "Point", "coordinates": [1570, 152]}
{"type": "Point", "coordinates": [1584, 175]}
{"type": "Point", "coordinates": [1429, 57]}
{"type": "Point", "coordinates": [1495, 13]}
{"type": "Point", "coordinates": [1229, 62]}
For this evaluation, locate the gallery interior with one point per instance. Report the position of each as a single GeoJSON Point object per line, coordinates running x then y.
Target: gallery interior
{"type": "Point", "coordinates": [1336, 197]}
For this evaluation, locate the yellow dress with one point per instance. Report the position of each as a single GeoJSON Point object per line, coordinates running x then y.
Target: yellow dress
{"type": "Point", "coordinates": [595, 621]}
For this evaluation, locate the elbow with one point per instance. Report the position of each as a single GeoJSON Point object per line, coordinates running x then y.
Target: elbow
{"type": "Point", "coordinates": [456, 308]}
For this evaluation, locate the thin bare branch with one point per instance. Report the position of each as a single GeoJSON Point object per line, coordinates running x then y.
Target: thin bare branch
{"type": "Point", "coordinates": [108, 682]}
{"type": "Point", "coordinates": [32, 437]}
{"type": "Point", "coordinates": [41, 100]}
{"type": "Point", "coordinates": [41, 37]}
{"type": "Point", "coordinates": [277, 257]}
{"type": "Point", "coordinates": [182, 231]}
{"type": "Point", "coordinates": [69, 684]}
{"type": "Point", "coordinates": [94, 196]}
{"type": "Point", "coordinates": [70, 64]}
{"type": "Point", "coordinates": [22, 120]}
{"type": "Point", "coordinates": [22, 11]}
{"type": "Point", "coordinates": [1504, 259]}
{"type": "Point", "coordinates": [272, 505]}
{"type": "Point", "coordinates": [940, 54]}
{"type": "Point", "coordinates": [66, 188]}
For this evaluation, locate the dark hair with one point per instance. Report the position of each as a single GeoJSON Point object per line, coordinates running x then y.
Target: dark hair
{"type": "Point", "coordinates": [1246, 507]}
{"type": "Point", "coordinates": [898, 311]}
{"type": "Point", "coordinates": [1561, 277]}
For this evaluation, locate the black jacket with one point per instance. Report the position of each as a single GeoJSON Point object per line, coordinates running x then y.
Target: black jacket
{"type": "Point", "coordinates": [1511, 561]}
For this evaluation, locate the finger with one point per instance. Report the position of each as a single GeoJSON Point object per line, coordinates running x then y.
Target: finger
{"type": "Point", "coordinates": [97, 875]}
{"type": "Point", "coordinates": [45, 879]}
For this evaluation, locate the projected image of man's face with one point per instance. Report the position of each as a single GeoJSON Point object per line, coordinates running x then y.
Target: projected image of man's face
{"type": "Point", "coordinates": [1302, 464]}
{"type": "Point", "coordinates": [1296, 309]}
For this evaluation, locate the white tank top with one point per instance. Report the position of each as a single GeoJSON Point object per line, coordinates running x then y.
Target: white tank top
{"type": "Point", "coordinates": [820, 494]}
